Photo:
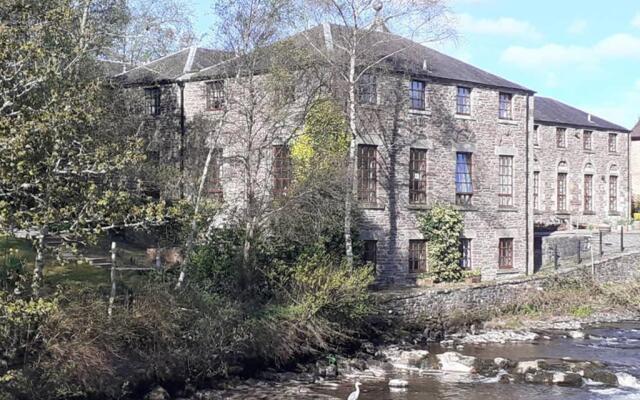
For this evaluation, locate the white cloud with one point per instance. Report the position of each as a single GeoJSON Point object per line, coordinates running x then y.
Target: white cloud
{"type": "Point", "coordinates": [622, 110]}
{"type": "Point", "coordinates": [502, 26]}
{"type": "Point", "coordinates": [614, 47]}
{"type": "Point", "coordinates": [577, 27]}
{"type": "Point", "coordinates": [635, 22]}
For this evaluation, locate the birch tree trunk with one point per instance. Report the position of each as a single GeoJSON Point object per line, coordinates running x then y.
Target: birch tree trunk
{"type": "Point", "coordinates": [196, 212]}
{"type": "Point", "coordinates": [351, 163]}
{"type": "Point", "coordinates": [38, 267]}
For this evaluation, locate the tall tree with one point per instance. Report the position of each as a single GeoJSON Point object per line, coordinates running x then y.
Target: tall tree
{"type": "Point", "coordinates": [267, 91]}
{"type": "Point", "coordinates": [66, 164]}
{"type": "Point", "coordinates": [360, 46]}
{"type": "Point", "coordinates": [153, 29]}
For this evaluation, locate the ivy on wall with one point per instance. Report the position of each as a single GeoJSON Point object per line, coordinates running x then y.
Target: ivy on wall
{"type": "Point", "coordinates": [442, 227]}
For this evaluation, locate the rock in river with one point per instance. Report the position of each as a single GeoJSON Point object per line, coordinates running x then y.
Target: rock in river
{"type": "Point", "coordinates": [398, 383]}
{"type": "Point", "coordinates": [456, 362]}
{"type": "Point", "coordinates": [158, 393]}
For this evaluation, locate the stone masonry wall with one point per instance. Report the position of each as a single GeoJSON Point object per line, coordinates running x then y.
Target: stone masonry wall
{"type": "Point", "coordinates": [577, 162]}
{"type": "Point", "coordinates": [395, 129]}
{"type": "Point", "coordinates": [424, 303]}
{"type": "Point", "coordinates": [392, 222]}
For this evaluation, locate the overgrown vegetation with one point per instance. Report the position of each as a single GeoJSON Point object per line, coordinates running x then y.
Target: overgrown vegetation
{"type": "Point", "coordinates": [442, 226]}
{"type": "Point", "coordinates": [578, 297]}
{"type": "Point", "coordinates": [65, 345]}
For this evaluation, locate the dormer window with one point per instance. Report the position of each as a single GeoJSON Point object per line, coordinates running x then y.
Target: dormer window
{"type": "Point", "coordinates": [152, 100]}
{"type": "Point", "coordinates": [417, 95]}
{"type": "Point", "coordinates": [215, 95]}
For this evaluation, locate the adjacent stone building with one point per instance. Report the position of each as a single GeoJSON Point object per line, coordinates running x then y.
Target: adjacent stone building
{"type": "Point", "coordinates": [580, 167]}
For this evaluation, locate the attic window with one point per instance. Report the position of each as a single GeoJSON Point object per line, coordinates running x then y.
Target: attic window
{"type": "Point", "coordinates": [417, 95]}
{"type": "Point", "coordinates": [613, 143]}
{"type": "Point", "coordinates": [152, 100]}
{"type": "Point", "coordinates": [463, 101]}
{"type": "Point", "coordinates": [505, 106]}
{"type": "Point", "coordinates": [367, 89]}
{"type": "Point", "coordinates": [215, 95]}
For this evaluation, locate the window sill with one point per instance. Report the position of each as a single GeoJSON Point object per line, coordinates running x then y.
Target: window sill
{"type": "Point", "coordinates": [419, 112]}
{"type": "Point", "coordinates": [369, 106]}
{"type": "Point", "coordinates": [563, 213]}
{"type": "Point", "coordinates": [418, 207]}
{"type": "Point", "coordinates": [507, 121]}
{"type": "Point", "coordinates": [505, 271]}
{"type": "Point", "coordinates": [467, 208]}
{"type": "Point", "coordinates": [614, 214]}
{"type": "Point", "coordinates": [507, 209]}
{"type": "Point", "coordinates": [588, 213]}
{"type": "Point", "coordinates": [464, 117]}
{"type": "Point", "coordinates": [587, 151]}
{"type": "Point", "coordinates": [538, 212]}
{"type": "Point", "coordinates": [611, 153]}
{"type": "Point", "coordinates": [371, 207]}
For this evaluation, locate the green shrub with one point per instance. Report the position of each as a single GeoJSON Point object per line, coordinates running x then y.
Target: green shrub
{"type": "Point", "coordinates": [214, 266]}
{"type": "Point", "coordinates": [442, 226]}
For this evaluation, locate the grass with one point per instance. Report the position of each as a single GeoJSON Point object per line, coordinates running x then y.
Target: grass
{"type": "Point", "coordinates": [582, 311]}
{"type": "Point", "coordinates": [68, 273]}
{"type": "Point", "coordinates": [578, 298]}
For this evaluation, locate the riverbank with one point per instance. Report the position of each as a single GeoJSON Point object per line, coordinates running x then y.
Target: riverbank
{"type": "Point", "coordinates": [602, 364]}
{"type": "Point", "coordinates": [561, 312]}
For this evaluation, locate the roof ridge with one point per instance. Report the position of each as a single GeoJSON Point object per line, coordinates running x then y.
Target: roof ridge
{"type": "Point", "coordinates": [155, 60]}
{"type": "Point", "coordinates": [192, 55]}
{"type": "Point", "coordinates": [603, 124]}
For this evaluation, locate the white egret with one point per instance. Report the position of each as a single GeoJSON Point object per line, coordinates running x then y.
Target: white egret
{"type": "Point", "coordinates": [356, 394]}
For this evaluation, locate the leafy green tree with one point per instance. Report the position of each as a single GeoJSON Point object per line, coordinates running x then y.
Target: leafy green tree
{"type": "Point", "coordinates": [68, 141]}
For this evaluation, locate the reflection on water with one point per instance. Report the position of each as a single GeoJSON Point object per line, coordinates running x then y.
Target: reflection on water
{"type": "Point", "coordinates": [617, 345]}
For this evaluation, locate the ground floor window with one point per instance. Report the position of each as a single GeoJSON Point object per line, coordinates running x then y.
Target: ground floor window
{"type": "Point", "coordinates": [465, 253]}
{"type": "Point", "coordinates": [417, 255]}
{"type": "Point", "coordinates": [562, 192]}
{"type": "Point", "coordinates": [613, 194]}
{"type": "Point", "coordinates": [588, 193]}
{"type": "Point", "coordinates": [370, 252]}
{"type": "Point", "coordinates": [505, 253]}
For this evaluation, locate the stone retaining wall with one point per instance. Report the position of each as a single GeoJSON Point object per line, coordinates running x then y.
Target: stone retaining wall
{"type": "Point", "coordinates": [425, 303]}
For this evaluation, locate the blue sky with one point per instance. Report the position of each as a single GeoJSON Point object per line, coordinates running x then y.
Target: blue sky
{"type": "Point", "coordinates": [585, 53]}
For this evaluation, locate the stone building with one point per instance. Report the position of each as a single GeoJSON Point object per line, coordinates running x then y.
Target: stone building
{"type": "Point", "coordinates": [432, 129]}
{"type": "Point", "coordinates": [635, 165]}
{"type": "Point", "coordinates": [580, 167]}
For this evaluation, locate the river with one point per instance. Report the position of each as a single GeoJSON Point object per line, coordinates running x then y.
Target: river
{"type": "Point", "coordinates": [616, 345]}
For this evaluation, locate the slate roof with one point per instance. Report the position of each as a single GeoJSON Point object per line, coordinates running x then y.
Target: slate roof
{"type": "Point", "coordinates": [403, 55]}
{"type": "Point", "coordinates": [635, 133]}
{"type": "Point", "coordinates": [553, 111]}
{"type": "Point", "coordinates": [173, 66]}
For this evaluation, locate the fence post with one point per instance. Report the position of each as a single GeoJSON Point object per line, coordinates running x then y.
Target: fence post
{"type": "Point", "coordinates": [601, 252]}
{"type": "Point", "coordinates": [621, 238]}
{"type": "Point", "coordinates": [112, 297]}
{"type": "Point", "coordinates": [579, 252]}
{"type": "Point", "coordinates": [555, 257]}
